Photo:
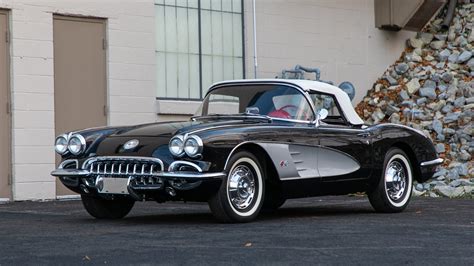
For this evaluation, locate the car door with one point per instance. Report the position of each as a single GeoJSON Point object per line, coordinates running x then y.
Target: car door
{"type": "Point", "coordinates": [344, 151]}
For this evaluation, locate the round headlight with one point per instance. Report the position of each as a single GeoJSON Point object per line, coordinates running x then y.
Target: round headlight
{"type": "Point", "coordinates": [176, 146]}
{"type": "Point", "coordinates": [60, 145]}
{"type": "Point", "coordinates": [77, 144]}
{"type": "Point", "coordinates": [193, 146]}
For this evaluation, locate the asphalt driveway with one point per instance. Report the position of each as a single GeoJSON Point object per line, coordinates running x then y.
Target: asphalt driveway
{"type": "Point", "coordinates": [330, 230]}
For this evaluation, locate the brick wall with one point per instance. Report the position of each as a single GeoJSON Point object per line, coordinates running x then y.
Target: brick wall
{"type": "Point", "coordinates": [131, 79]}
{"type": "Point", "coordinates": [336, 35]}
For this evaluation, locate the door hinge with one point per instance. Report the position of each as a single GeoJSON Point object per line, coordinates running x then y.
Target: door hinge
{"type": "Point", "coordinates": [106, 110]}
{"type": "Point", "coordinates": [104, 44]}
{"type": "Point", "coordinates": [7, 36]}
{"type": "Point", "coordinates": [9, 108]}
{"type": "Point", "coordinates": [10, 179]}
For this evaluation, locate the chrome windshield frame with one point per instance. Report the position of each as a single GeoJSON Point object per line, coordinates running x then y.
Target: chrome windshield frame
{"type": "Point", "coordinates": [298, 88]}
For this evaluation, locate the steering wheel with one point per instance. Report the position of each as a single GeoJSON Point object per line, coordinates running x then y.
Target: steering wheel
{"type": "Point", "coordinates": [289, 106]}
{"type": "Point", "coordinates": [305, 114]}
{"type": "Point", "coordinates": [281, 113]}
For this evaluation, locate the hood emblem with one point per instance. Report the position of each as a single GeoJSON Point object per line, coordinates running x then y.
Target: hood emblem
{"type": "Point", "coordinates": [131, 144]}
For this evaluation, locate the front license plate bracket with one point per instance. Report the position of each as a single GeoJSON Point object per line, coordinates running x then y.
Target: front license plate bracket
{"type": "Point", "coordinates": [112, 185]}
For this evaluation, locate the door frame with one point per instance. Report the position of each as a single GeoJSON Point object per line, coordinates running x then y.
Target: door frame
{"type": "Point", "coordinates": [6, 12]}
{"type": "Point", "coordinates": [104, 22]}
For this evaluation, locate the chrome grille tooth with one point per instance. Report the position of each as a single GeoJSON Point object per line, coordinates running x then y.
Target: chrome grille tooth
{"type": "Point", "coordinates": [141, 169]}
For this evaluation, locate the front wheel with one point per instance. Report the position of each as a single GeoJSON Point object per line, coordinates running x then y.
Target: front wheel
{"type": "Point", "coordinates": [393, 192]}
{"type": "Point", "coordinates": [107, 209]}
{"type": "Point", "coordinates": [240, 197]}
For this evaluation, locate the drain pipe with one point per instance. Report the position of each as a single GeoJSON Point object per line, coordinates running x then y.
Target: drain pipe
{"type": "Point", "coordinates": [449, 15]}
{"type": "Point", "coordinates": [255, 62]}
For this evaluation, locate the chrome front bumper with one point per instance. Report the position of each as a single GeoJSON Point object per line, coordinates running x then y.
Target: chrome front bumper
{"type": "Point", "coordinates": [132, 175]}
{"type": "Point", "coordinates": [190, 176]}
{"type": "Point", "coordinates": [124, 166]}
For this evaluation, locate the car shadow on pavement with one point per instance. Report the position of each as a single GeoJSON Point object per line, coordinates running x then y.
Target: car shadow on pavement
{"type": "Point", "coordinates": [205, 217]}
{"type": "Point", "coordinates": [319, 211]}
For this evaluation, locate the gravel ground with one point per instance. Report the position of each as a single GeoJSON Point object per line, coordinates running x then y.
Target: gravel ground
{"type": "Point", "coordinates": [328, 230]}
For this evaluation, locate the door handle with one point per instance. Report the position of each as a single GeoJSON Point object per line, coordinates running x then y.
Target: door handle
{"type": "Point", "coordinates": [364, 135]}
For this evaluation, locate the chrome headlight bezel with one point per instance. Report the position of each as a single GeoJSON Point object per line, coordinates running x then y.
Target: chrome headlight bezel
{"type": "Point", "coordinates": [197, 151]}
{"type": "Point", "coordinates": [82, 144]}
{"type": "Point", "coordinates": [65, 150]}
{"type": "Point", "coordinates": [180, 140]}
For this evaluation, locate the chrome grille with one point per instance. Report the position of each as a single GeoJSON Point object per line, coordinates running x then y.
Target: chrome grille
{"type": "Point", "coordinates": [123, 166]}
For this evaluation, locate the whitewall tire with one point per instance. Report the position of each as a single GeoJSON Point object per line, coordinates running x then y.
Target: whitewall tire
{"type": "Point", "coordinates": [395, 186]}
{"type": "Point", "coordinates": [241, 194]}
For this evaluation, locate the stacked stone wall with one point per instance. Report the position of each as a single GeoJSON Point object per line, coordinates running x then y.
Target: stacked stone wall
{"type": "Point", "coordinates": [431, 88]}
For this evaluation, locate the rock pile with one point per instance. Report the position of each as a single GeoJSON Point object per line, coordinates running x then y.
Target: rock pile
{"type": "Point", "coordinates": [431, 88]}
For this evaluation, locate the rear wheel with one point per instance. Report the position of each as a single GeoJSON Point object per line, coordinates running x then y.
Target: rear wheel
{"type": "Point", "coordinates": [240, 197]}
{"type": "Point", "coordinates": [107, 209]}
{"type": "Point", "coordinates": [394, 190]}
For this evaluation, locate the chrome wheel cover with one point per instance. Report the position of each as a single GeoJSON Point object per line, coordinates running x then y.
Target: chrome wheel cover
{"type": "Point", "coordinates": [396, 180]}
{"type": "Point", "coordinates": [241, 187]}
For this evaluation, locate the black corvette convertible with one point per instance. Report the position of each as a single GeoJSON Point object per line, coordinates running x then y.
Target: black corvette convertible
{"type": "Point", "coordinates": [252, 145]}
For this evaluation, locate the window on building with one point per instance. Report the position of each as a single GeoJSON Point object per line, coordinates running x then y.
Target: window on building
{"type": "Point", "coordinates": [198, 42]}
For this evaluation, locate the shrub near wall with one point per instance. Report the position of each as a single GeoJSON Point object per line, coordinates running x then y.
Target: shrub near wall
{"type": "Point", "coordinates": [431, 88]}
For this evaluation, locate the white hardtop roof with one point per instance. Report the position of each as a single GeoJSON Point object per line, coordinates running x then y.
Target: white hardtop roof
{"type": "Point", "coordinates": [311, 85]}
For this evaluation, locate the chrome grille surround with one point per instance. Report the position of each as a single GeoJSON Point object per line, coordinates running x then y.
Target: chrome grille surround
{"type": "Point", "coordinates": [123, 166]}
{"type": "Point", "coordinates": [142, 172]}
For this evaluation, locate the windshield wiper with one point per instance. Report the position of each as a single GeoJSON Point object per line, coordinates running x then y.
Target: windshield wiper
{"type": "Point", "coordinates": [233, 116]}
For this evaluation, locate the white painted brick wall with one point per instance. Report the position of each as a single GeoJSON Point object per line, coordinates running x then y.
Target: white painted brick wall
{"type": "Point", "coordinates": [131, 79]}
{"type": "Point", "coordinates": [337, 36]}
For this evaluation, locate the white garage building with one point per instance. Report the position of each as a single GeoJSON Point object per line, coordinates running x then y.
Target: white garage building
{"type": "Point", "coordinates": [68, 64]}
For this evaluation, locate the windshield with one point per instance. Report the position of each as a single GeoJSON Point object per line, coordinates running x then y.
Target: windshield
{"type": "Point", "coordinates": [277, 101]}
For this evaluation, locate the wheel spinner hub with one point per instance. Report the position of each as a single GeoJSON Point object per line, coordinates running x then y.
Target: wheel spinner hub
{"type": "Point", "coordinates": [241, 187]}
{"type": "Point", "coordinates": [395, 180]}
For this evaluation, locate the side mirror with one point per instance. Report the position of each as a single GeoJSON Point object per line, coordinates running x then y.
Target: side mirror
{"type": "Point", "coordinates": [252, 111]}
{"type": "Point", "coordinates": [322, 114]}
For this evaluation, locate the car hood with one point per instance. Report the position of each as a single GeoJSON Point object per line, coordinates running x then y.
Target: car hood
{"type": "Point", "coordinates": [154, 138]}
{"type": "Point", "coordinates": [169, 129]}
{"type": "Point", "coordinates": [163, 129]}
